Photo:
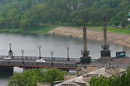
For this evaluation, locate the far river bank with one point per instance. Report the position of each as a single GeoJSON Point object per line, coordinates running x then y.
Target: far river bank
{"type": "Point", "coordinates": [118, 38]}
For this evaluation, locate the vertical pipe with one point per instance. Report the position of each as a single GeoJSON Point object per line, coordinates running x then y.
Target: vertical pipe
{"type": "Point", "coordinates": [22, 56]}
{"type": "Point", "coordinates": [51, 57]}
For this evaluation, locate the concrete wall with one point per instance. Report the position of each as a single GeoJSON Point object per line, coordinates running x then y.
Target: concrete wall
{"type": "Point", "coordinates": [112, 70]}
{"type": "Point", "coordinates": [69, 76]}
{"type": "Point", "coordinates": [71, 84]}
{"type": "Point", "coordinates": [91, 68]}
{"type": "Point", "coordinates": [89, 76]}
{"type": "Point", "coordinates": [43, 84]}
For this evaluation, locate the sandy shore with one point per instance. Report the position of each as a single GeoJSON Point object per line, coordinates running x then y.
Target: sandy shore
{"type": "Point", "coordinates": [122, 39]}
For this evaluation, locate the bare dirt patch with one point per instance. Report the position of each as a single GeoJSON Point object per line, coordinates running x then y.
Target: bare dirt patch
{"type": "Point", "coordinates": [122, 39]}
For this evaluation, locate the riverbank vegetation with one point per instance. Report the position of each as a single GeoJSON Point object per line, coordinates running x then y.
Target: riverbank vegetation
{"type": "Point", "coordinates": [111, 29]}
{"type": "Point", "coordinates": [34, 13]}
{"type": "Point", "coordinates": [121, 80]}
{"type": "Point", "coordinates": [39, 29]}
{"type": "Point", "coordinates": [33, 76]}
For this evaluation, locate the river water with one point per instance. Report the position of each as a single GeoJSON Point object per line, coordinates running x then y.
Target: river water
{"type": "Point", "coordinates": [58, 44]}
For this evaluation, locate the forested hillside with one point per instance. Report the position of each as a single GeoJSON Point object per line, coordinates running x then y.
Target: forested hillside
{"type": "Point", "coordinates": [32, 13]}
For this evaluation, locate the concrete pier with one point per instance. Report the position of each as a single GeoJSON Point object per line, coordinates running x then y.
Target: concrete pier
{"type": "Point", "coordinates": [6, 71]}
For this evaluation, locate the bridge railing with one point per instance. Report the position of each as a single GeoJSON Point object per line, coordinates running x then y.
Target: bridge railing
{"type": "Point", "coordinates": [45, 58]}
{"type": "Point", "coordinates": [35, 64]}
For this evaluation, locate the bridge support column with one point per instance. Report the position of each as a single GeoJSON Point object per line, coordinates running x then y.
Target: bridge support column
{"type": "Point", "coordinates": [6, 70]}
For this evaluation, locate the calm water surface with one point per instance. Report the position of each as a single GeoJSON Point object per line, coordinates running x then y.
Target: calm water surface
{"type": "Point", "coordinates": [30, 42]}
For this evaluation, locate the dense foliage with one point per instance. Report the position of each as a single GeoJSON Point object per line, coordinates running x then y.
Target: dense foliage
{"type": "Point", "coordinates": [32, 13]}
{"type": "Point", "coordinates": [33, 76]}
{"type": "Point", "coordinates": [121, 80]}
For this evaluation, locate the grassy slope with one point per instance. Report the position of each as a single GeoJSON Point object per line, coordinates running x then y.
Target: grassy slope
{"type": "Point", "coordinates": [42, 29]}
{"type": "Point", "coordinates": [112, 29]}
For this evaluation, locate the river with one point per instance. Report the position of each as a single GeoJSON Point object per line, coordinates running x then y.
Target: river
{"type": "Point", "coordinates": [58, 44]}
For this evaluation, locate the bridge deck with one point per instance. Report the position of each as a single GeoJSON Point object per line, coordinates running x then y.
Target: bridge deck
{"type": "Point", "coordinates": [17, 61]}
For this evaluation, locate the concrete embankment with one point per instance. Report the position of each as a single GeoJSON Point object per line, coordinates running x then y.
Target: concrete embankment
{"type": "Point", "coordinates": [118, 38]}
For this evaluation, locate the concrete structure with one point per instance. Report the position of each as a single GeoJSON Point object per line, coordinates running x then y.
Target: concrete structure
{"type": "Point", "coordinates": [83, 69]}
{"type": "Point", "coordinates": [73, 84]}
{"type": "Point", "coordinates": [44, 84]}
{"type": "Point", "coordinates": [91, 68]}
{"type": "Point", "coordinates": [31, 62]}
{"type": "Point", "coordinates": [6, 69]}
{"type": "Point", "coordinates": [105, 71]}
{"type": "Point", "coordinates": [105, 53]}
{"type": "Point", "coordinates": [113, 70]}
{"type": "Point", "coordinates": [78, 81]}
{"type": "Point", "coordinates": [85, 59]}
{"type": "Point", "coordinates": [69, 76]}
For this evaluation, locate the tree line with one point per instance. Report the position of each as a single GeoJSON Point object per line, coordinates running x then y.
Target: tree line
{"type": "Point", "coordinates": [33, 13]}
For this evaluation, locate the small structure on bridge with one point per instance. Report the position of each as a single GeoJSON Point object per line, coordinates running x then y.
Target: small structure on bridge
{"type": "Point", "coordinates": [120, 54]}
{"type": "Point", "coordinates": [85, 59]}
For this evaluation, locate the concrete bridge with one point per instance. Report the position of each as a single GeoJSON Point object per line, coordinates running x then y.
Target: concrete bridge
{"type": "Point", "coordinates": [31, 62]}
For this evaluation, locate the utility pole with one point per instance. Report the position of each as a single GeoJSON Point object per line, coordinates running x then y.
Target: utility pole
{"type": "Point", "coordinates": [52, 52]}
{"type": "Point", "coordinates": [10, 53]}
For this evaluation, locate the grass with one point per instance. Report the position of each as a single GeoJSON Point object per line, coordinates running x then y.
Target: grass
{"type": "Point", "coordinates": [41, 29]}
{"type": "Point", "coordinates": [44, 29]}
{"type": "Point", "coordinates": [112, 29]}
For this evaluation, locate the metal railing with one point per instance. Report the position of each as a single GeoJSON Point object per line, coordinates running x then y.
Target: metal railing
{"type": "Point", "coordinates": [37, 64]}
{"type": "Point", "coordinates": [35, 58]}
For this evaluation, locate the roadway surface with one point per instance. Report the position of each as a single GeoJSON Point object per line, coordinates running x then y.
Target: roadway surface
{"type": "Point", "coordinates": [32, 62]}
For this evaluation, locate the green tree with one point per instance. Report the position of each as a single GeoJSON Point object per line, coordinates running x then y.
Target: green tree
{"type": "Point", "coordinates": [32, 76]}
{"type": "Point", "coordinates": [101, 81]}
{"type": "Point", "coordinates": [121, 80]}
